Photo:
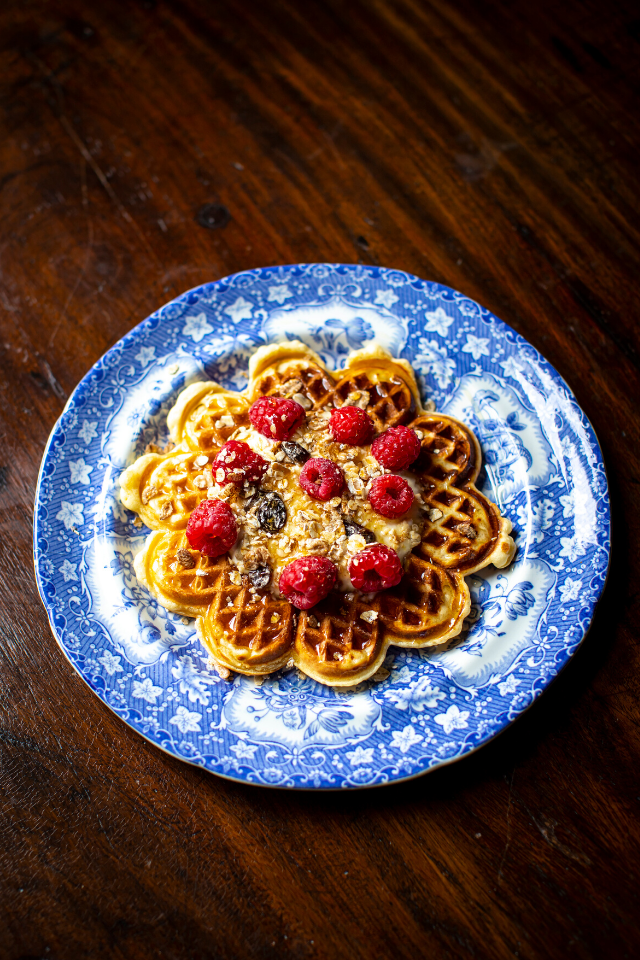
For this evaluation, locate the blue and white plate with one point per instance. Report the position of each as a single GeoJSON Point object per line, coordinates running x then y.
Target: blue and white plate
{"type": "Point", "coordinates": [543, 467]}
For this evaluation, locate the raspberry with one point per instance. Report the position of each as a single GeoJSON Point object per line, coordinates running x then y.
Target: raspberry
{"type": "Point", "coordinates": [212, 528]}
{"type": "Point", "coordinates": [351, 425]}
{"type": "Point", "coordinates": [307, 580]}
{"type": "Point", "coordinates": [321, 479]}
{"type": "Point", "coordinates": [375, 568]}
{"type": "Point", "coordinates": [275, 417]}
{"type": "Point", "coordinates": [396, 448]}
{"type": "Point", "coordinates": [239, 464]}
{"type": "Point", "coordinates": [391, 496]}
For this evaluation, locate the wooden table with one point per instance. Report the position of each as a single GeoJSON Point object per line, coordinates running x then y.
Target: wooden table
{"type": "Point", "coordinates": [492, 147]}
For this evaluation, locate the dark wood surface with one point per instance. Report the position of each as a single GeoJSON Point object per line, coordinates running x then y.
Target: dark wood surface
{"type": "Point", "coordinates": [490, 146]}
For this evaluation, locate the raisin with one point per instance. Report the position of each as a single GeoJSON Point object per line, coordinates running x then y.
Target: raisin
{"type": "Point", "coordinates": [272, 513]}
{"type": "Point", "coordinates": [259, 577]}
{"type": "Point", "coordinates": [351, 527]}
{"type": "Point", "coordinates": [295, 452]}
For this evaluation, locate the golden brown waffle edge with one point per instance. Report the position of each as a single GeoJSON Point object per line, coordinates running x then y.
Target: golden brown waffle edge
{"type": "Point", "coordinates": [259, 634]}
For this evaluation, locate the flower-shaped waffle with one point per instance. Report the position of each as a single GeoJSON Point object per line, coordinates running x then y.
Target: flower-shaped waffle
{"type": "Point", "coordinates": [451, 530]}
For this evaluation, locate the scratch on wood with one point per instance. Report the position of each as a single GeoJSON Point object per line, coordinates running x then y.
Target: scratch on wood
{"type": "Point", "coordinates": [6, 303]}
{"type": "Point", "coordinates": [547, 828]}
{"type": "Point", "coordinates": [64, 120]}
{"type": "Point", "coordinates": [63, 314]}
{"type": "Point", "coordinates": [53, 383]}
{"type": "Point", "coordinates": [508, 840]}
{"type": "Point", "coordinates": [70, 130]}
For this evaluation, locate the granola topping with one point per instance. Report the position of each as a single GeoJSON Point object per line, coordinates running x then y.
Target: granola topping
{"type": "Point", "coordinates": [369, 616]}
{"type": "Point", "coordinates": [314, 527]}
{"type": "Point", "coordinates": [149, 493]}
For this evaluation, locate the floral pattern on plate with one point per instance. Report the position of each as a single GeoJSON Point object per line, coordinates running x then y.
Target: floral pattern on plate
{"type": "Point", "coordinates": [543, 467]}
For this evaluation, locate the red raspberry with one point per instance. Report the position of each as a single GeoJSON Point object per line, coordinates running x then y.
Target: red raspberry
{"type": "Point", "coordinates": [239, 464]}
{"type": "Point", "coordinates": [321, 479]}
{"type": "Point", "coordinates": [307, 580]}
{"type": "Point", "coordinates": [212, 528]}
{"type": "Point", "coordinates": [351, 425]}
{"type": "Point", "coordinates": [375, 568]}
{"type": "Point", "coordinates": [275, 417]}
{"type": "Point", "coordinates": [391, 496]}
{"type": "Point", "coordinates": [396, 448]}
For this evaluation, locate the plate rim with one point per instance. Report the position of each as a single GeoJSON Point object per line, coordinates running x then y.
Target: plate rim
{"type": "Point", "coordinates": [375, 272]}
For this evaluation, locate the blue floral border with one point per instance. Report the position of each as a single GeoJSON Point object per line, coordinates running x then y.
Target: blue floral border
{"type": "Point", "coordinates": [289, 731]}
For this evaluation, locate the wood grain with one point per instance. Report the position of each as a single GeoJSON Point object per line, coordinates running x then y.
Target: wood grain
{"type": "Point", "coordinates": [492, 147]}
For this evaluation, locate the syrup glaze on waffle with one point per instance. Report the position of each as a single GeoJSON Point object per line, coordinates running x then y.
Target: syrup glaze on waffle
{"type": "Point", "coordinates": [251, 630]}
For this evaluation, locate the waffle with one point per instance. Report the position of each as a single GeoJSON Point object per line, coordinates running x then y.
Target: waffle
{"type": "Point", "coordinates": [205, 415]}
{"type": "Point", "coordinates": [466, 531]}
{"type": "Point", "coordinates": [182, 579]}
{"type": "Point", "coordinates": [250, 630]}
{"type": "Point", "coordinates": [247, 632]}
{"type": "Point", "coordinates": [164, 489]}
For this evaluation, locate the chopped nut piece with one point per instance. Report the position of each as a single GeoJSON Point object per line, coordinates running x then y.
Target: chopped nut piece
{"type": "Point", "coordinates": [311, 620]}
{"type": "Point", "coordinates": [291, 386]}
{"type": "Point", "coordinates": [467, 530]}
{"type": "Point", "coordinates": [185, 558]}
{"type": "Point", "coordinates": [166, 510]}
{"type": "Point", "coordinates": [226, 420]}
{"type": "Point", "coordinates": [435, 514]}
{"type": "Point", "coordinates": [316, 546]}
{"type": "Point", "coordinates": [302, 400]}
{"type": "Point", "coordinates": [149, 493]}
{"type": "Point", "coordinates": [258, 555]}
{"type": "Point", "coordinates": [200, 482]}
{"type": "Point", "coordinates": [137, 522]}
{"type": "Point", "coordinates": [369, 615]}
{"type": "Point", "coordinates": [222, 672]}
{"type": "Point", "coordinates": [357, 542]}
{"type": "Point", "coordinates": [201, 461]}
